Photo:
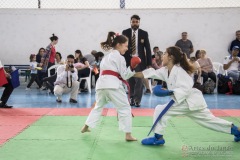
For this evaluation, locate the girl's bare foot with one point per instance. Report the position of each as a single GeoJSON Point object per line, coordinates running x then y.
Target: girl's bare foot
{"type": "Point", "coordinates": [85, 129]}
{"type": "Point", "coordinates": [129, 137]}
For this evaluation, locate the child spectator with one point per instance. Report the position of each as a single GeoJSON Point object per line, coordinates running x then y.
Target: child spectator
{"type": "Point", "coordinates": [34, 75]}
{"type": "Point", "coordinates": [197, 73]}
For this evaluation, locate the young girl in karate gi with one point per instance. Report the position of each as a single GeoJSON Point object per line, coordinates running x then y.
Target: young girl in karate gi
{"type": "Point", "coordinates": [110, 88]}
{"type": "Point", "coordinates": [187, 100]}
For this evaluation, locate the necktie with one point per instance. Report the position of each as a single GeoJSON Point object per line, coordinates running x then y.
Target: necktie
{"type": "Point", "coordinates": [133, 44]}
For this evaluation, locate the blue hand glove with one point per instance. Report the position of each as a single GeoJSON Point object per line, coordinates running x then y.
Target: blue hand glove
{"type": "Point", "coordinates": [160, 92]}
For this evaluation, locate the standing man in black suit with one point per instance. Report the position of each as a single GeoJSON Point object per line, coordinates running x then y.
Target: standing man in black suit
{"type": "Point", "coordinates": [138, 45]}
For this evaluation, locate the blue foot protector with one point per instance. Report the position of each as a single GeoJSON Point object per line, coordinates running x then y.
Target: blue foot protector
{"type": "Point", "coordinates": [153, 140]}
{"type": "Point", "coordinates": [237, 138]}
{"type": "Point", "coordinates": [236, 133]}
{"type": "Point", "coordinates": [161, 92]}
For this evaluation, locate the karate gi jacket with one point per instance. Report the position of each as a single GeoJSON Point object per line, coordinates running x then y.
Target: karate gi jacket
{"type": "Point", "coordinates": [113, 61]}
{"type": "Point", "coordinates": [181, 83]}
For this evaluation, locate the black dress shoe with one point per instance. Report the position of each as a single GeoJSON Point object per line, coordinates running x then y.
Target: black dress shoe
{"type": "Point", "coordinates": [5, 106]}
{"type": "Point", "coordinates": [147, 91]}
{"type": "Point", "coordinates": [59, 100]}
{"type": "Point", "coordinates": [72, 100]}
{"type": "Point", "coordinates": [132, 103]}
{"type": "Point", "coordinates": [84, 90]}
{"type": "Point", "coordinates": [137, 104]}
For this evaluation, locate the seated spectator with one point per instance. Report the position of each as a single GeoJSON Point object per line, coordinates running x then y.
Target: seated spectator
{"type": "Point", "coordinates": [91, 57]}
{"type": "Point", "coordinates": [231, 64]}
{"type": "Point", "coordinates": [67, 81]}
{"type": "Point", "coordinates": [58, 59]}
{"type": "Point", "coordinates": [38, 60]}
{"type": "Point", "coordinates": [8, 89]}
{"type": "Point", "coordinates": [146, 80]}
{"type": "Point", "coordinates": [155, 50]}
{"type": "Point", "coordinates": [197, 55]}
{"type": "Point", "coordinates": [235, 42]}
{"type": "Point", "coordinates": [206, 67]}
{"type": "Point", "coordinates": [96, 67]}
{"type": "Point", "coordinates": [157, 61]}
{"type": "Point", "coordinates": [198, 72]}
{"type": "Point", "coordinates": [157, 64]}
{"type": "Point", "coordinates": [49, 81]}
{"type": "Point", "coordinates": [83, 71]}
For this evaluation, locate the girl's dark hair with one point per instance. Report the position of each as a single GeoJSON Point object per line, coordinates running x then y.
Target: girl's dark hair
{"type": "Point", "coordinates": [80, 55]}
{"type": "Point", "coordinates": [97, 55]}
{"type": "Point", "coordinates": [31, 57]}
{"type": "Point", "coordinates": [53, 38]}
{"type": "Point", "coordinates": [79, 52]}
{"type": "Point", "coordinates": [59, 54]}
{"type": "Point", "coordinates": [196, 54]}
{"type": "Point", "coordinates": [40, 50]}
{"type": "Point", "coordinates": [180, 58]}
{"type": "Point", "coordinates": [113, 40]}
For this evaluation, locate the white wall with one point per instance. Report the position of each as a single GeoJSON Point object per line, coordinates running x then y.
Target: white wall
{"type": "Point", "coordinates": [23, 32]}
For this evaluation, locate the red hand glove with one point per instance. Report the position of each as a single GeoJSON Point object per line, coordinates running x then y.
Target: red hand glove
{"type": "Point", "coordinates": [135, 61]}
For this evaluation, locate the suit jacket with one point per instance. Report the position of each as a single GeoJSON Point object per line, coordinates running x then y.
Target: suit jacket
{"type": "Point", "coordinates": [144, 49]}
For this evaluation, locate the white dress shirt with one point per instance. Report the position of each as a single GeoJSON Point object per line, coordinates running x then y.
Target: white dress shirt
{"type": "Point", "coordinates": [62, 76]}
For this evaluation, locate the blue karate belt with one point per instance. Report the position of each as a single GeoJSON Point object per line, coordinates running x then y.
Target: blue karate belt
{"type": "Point", "coordinates": [161, 114]}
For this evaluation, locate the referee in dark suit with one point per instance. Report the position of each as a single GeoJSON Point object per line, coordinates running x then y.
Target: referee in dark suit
{"type": "Point", "coordinates": [138, 45]}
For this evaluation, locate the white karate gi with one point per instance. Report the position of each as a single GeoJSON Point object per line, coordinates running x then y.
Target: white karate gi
{"type": "Point", "coordinates": [61, 82]}
{"type": "Point", "coordinates": [110, 88]}
{"type": "Point", "coordinates": [188, 101]}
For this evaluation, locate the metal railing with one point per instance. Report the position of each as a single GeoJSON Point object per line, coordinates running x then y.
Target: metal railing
{"type": "Point", "coordinates": [117, 4]}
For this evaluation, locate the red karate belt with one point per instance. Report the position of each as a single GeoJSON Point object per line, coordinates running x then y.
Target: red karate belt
{"type": "Point", "coordinates": [110, 72]}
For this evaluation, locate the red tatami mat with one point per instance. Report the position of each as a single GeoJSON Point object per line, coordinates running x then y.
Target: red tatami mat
{"type": "Point", "coordinates": [24, 111]}
{"type": "Point", "coordinates": [140, 112]}
{"type": "Point", "coordinates": [86, 111]}
{"type": "Point", "coordinates": [18, 120]}
{"type": "Point", "coordinates": [105, 111]}
{"type": "Point", "coordinates": [69, 112]}
{"type": "Point", "coordinates": [7, 132]}
{"type": "Point", "coordinates": [218, 112]}
{"type": "Point", "coordinates": [232, 112]}
{"type": "Point", "coordinates": [2, 141]}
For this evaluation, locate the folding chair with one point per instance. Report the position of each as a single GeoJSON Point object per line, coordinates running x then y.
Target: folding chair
{"type": "Point", "coordinates": [88, 79]}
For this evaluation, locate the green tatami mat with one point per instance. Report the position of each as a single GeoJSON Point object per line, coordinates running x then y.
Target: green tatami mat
{"type": "Point", "coordinates": [59, 138]}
